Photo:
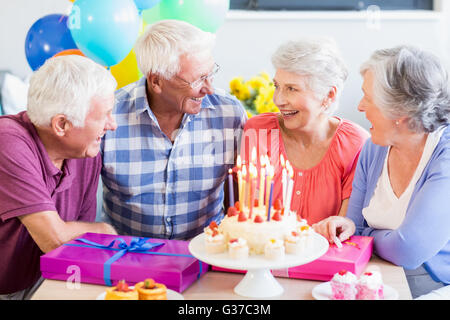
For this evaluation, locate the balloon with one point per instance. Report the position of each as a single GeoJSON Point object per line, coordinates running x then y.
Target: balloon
{"type": "Point", "coordinates": [69, 52]}
{"type": "Point", "coordinates": [127, 70]}
{"type": "Point", "coordinates": [46, 37]}
{"type": "Point", "coordinates": [207, 15]}
{"type": "Point", "coordinates": [104, 30]}
{"type": "Point", "coordinates": [145, 4]}
{"type": "Point", "coordinates": [151, 15]}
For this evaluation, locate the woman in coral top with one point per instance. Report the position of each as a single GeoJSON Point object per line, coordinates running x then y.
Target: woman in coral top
{"type": "Point", "coordinates": [322, 149]}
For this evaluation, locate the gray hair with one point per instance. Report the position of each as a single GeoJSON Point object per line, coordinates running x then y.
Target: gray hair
{"type": "Point", "coordinates": [66, 85]}
{"type": "Point", "coordinates": [158, 50]}
{"type": "Point", "coordinates": [319, 60]}
{"type": "Point", "coordinates": [412, 83]}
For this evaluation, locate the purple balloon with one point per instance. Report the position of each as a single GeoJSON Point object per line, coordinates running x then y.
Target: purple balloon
{"type": "Point", "coordinates": [46, 37]}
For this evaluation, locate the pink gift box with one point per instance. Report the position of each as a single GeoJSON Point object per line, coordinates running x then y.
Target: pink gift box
{"type": "Point", "coordinates": [353, 256]}
{"type": "Point", "coordinates": [170, 263]}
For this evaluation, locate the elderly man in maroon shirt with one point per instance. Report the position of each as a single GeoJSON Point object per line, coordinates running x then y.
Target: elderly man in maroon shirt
{"type": "Point", "coordinates": [50, 166]}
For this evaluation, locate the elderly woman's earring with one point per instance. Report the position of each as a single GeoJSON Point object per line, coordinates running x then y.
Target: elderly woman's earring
{"type": "Point", "coordinates": [397, 122]}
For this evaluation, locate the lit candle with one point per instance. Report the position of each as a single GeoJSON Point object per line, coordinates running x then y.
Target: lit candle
{"type": "Point", "coordinates": [244, 186]}
{"type": "Point", "coordinates": [270, 172]}
{"type": "Point", "coordinates": [289, 191]}
{"type": "Point", "coordinates": [254, 155]}
{"type": "Point", "coordinates": [230, 187]}
{"type": "Point", "coordinates": [262, 178]}
{"type": "Point", "coordinates": [238, 162]}
{"type": "Point", "coordinates": [239, 176]}
{"type": "Point", "coordinates": [270, 200]}
{"type": "Point", "coordinates": [253, 176]}
{"type": "Point", "coordinates": [283, 179]}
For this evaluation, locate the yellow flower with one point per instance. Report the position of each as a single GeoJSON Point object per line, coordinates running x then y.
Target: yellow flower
{"type": "Point", "coordinates": [256, 94]}
{"type": "Point", "coordinates": [239, 89]}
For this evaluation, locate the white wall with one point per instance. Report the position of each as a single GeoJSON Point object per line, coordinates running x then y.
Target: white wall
{"type": "Point", "coordinates": [246, 41]}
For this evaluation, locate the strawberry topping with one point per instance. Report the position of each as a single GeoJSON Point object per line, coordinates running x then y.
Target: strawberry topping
{"type": "Point", "coordinates": [258, 219]}
{"type": "Point", "coordinates": [232, 211]}
{"type": "Point", "coordinates": [277, 216]}
{"type": "Point", "coordinates": [278, 204]}
{"type": "Point", "coordinates": [242, 217]}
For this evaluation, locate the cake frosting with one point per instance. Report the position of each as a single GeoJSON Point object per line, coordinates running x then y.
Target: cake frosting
{"type": "Point", "coordinates": [257, 229]}
{"type": "Point", "coordinates": [238, 248]}
{"type": "Point", "coordinates": [274, 249]}
{"type": "Point", "coordinates": [370, 286]}
{"type": "Point", "coordinates": [343, 286]}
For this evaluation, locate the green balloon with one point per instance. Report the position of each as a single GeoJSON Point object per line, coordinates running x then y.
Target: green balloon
{"type": "Point", "coordinates": [151, 15]}
{"type": "Point", "coordinates": [207, 15]}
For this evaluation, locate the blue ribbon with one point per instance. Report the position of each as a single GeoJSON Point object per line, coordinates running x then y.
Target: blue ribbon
{"type": "Point", "coordinates": [138, 245]}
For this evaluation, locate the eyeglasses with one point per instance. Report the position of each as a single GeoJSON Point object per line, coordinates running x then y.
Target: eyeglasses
{"type": "Point", "coordinates": [199, 82]}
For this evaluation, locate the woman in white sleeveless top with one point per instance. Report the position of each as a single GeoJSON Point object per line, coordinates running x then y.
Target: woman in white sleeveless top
{"type": "Point", "coordinates": [401, 189]}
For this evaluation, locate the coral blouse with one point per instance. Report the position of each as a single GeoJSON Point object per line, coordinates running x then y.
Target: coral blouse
{"type": "Point", "coordinates": [319, 191]}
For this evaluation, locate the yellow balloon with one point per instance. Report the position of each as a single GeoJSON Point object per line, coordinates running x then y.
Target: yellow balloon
{"type": "Point", "coordinates": [127, 70]}
{"type": "Point", "coordinates": [72, 0]}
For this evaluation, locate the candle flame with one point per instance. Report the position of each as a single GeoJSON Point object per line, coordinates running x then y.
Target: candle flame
{"type": "Point", "coordinates": [244, 171]}
{"type": "Point", "coordinates": [282, 160]}
{"type": "Point", "coordinates": [262, 161]}
{"type": "Point", "coordinates": [239, 162]}
{"type": "Point", "coordinates": [254, 155]}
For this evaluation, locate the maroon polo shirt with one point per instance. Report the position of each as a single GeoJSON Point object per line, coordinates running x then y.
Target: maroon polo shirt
{"type": "Point", "coordinates": [29, 183]}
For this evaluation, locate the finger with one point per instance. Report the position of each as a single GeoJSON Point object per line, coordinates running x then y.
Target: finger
{"type": "Point", "coordinates": [331, 230]}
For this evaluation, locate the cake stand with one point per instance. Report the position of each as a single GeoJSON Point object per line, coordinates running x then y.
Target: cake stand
{"type": "Point", "coordinates": [258, 281]}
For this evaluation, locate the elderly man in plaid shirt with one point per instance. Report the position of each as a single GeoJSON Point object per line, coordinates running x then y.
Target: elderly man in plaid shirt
{"type": "Point", "coordinates": [164, 167]}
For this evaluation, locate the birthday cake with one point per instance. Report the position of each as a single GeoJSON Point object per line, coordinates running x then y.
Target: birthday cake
{"type": "Point", "coordinates": [262, 235]}
{"type": "Point", "coordinates": [256, 224]}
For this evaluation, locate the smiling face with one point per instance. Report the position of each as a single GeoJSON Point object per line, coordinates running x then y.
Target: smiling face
{"type": "Point", "coordinates": [85, 141]}
{"type": "Point", "coordinates": [177, 94]}
{"type": "Point", "coordinates": [299, 106]}
{"type": "Point", "coordinates": [383, 129]}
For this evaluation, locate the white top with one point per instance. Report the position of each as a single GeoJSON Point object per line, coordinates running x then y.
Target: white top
{"type": "Point", "coordinates": [386, 210]}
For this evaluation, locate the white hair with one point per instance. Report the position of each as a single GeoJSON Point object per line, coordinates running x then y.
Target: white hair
{"type": "Point", "coordinates": [410, 82]}
{"type": "Point", "coordinates": [319, 60]}
{"type": "Point", "coordinates": [66, 85]}
{"type": "Point", "coordinates": [158, 50]}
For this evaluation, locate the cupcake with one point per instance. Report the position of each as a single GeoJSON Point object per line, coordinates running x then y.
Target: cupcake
{"type": "Point", "coordinates": [274, 249]}
{"type": "Point", "coordinates": [343, 286]}
{"type": "Point", "coordinates": [150, 290]}
{"type": "Point", "coordinates": [306, 234]}
{"type": "Point", "coordinates": [370, 286]}
{"type": "Point", "coordinates": [209, 230]}
{"type": "Point", "coordinates": [238, 248]}
{"type": "Point", "coordinates": [121, 292]}
{"type": "Point", "coordinates": [293, 243]}
{"type": "Point", "coordinates": [215, 243]}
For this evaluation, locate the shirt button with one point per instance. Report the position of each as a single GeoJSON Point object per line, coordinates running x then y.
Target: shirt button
{"type": "Point", "coordinates": [168, 219]}
{"type": "Point", "coordinates": [297, 192]}
{"type": "Point", "coordinates": [300, 174]}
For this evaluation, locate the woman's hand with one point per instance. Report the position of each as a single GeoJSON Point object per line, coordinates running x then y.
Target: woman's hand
{"type": "Point", "coordinates": [335, 226]}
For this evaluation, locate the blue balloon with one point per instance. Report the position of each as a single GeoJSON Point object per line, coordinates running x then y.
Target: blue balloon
{"type": "Point", "coordinates": [145, 4]}
{"type": "Point", "coordinates": [105, 30]}
{"type": "Point", "coordinates": [46, 37]}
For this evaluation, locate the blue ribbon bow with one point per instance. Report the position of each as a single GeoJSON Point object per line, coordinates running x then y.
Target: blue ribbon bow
{"type": "Point", "coordinates": [138, 245]}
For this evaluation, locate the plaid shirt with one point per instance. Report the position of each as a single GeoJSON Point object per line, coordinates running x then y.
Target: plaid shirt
{"type": "Point", "coordinates": [153, 188]}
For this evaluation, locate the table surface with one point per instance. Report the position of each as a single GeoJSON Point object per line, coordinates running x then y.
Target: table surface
{"type": "Point", "coordinates": [216, 285]}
